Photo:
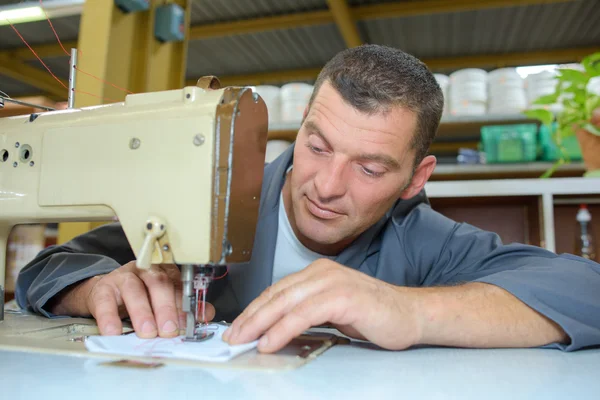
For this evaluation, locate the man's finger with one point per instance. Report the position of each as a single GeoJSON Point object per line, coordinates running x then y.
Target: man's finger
{"type": "Point", "coordinates": [135, 298]}
{"type": "Point", "coordinates": [313, 311]}
{"type": "Point", "coordinates": [162, 298]}
{"type": "Point", "coordinates": [266, 296]}
{"type": "Point", "coordinates": [210, 311]}
{"type": "Point", "coordinates": [104, 308]}
{"type": "Point", "coordinates": [280, 304]}
{"type": "Point", "coordinates": [180, 314]}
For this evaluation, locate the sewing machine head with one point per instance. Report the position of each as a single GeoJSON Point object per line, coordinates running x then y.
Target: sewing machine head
{"type": "Point", "coordinates": [181, 170]}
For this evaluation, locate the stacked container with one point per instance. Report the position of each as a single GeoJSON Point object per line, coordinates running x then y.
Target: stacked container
{"type": "Point", "coordinates": [506, 92]}
{"type": "Point", "coordinates": [444, 82]}
{"type": "Point", "coordinates": [294, 99]}
{"type": "Point", "coordinates": [541, 84]}
{"type": "Point", "coordinates": [271, 96]}
{"type": "Point", "coordinates": [468, 92]}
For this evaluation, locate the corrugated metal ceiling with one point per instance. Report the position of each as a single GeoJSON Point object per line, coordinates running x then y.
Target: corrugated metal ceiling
{"type": "Point", "coordinates": [40, 32]}
{"type": "Point", "coordinates": [15, 88]}
{"type": "Point", "coordinates": [265, 51]}
{"type": "Point", "coordinates": [210, 11]}
{"type": "Point", "coordinates": [514, 29]}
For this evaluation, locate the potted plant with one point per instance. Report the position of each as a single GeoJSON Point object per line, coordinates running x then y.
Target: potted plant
{"type": "Point", "coordinates": [578, 91]}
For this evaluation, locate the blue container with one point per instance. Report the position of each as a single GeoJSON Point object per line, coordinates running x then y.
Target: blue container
{"type": "Point", "coordinates": [128, 6]}
{"type": "Point", "coordinates": [169, 23]}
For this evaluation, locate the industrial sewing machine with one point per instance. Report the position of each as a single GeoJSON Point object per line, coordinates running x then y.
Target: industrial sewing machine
{"type": "Point", "coordinates": [181, 170]}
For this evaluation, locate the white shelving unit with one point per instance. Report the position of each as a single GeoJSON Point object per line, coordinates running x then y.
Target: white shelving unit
{"type": "Point", "coordinates": [544, 189]}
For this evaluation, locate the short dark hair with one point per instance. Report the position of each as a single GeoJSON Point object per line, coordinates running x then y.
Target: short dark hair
{"type": "Point", "coordinates": [375, 78]}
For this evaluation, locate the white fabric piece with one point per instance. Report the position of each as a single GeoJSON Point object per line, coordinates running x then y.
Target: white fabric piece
{"type": "Point", "coordinates": [213, 349]}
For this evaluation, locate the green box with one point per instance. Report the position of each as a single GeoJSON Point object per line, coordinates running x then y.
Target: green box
{"type": "Point", "coordinates": [509, 143]}
{"type": "Point", "coordinates": [549, 150]}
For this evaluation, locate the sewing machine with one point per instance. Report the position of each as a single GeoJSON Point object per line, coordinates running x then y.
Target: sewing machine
{"type": "Point", "coordinates": [181, 170]}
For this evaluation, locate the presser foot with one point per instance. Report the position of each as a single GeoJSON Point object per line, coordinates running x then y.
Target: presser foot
{"type": "Point", "coordinates": [200, 334]}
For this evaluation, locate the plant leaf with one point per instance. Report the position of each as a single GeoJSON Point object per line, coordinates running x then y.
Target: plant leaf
{"type": "Point", "coordinates": [547, 99]}
{"type": "Point", "coordinates": [580, 98]}
{"type": "Point", "coordinates": [552, 169]}
{"type": "Point", "coordinates": [570, 116]}
{"type": "Point", "coordinates": [591, 129]}
{"type": "Point", "coordinates": [565, 131]}
{"type": "Point", "coordinates": [591, 104]}
{"type": "Point", "coordinates": [573, 88]}
{"type": "Point", "coordinates": [572, 75]}
{"type": "Point", "coordinates": [545, 116]}
{"type": "Point", "coordinates": [591, 64]}
{"type": "Point", "coordinates": [592, 174]}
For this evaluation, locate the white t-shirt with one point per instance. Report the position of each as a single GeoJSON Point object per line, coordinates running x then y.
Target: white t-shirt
{"type": "Point", "coordinates": [290, 255]}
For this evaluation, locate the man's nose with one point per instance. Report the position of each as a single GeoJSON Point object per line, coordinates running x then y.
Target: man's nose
{"type": "Point", "coordinates": [329, 181]}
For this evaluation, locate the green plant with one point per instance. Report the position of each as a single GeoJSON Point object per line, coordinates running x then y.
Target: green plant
{"type": "Point", "coordinates": [578, 105]}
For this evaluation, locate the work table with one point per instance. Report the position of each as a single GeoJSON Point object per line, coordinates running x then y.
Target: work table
{"type": "Point", "coordinates": [356, 371]}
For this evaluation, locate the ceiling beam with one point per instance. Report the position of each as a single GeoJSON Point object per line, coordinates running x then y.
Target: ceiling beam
{"type": "Point", "coordinates": [42, 50]}
{"type": "Point", "coordinates": [32, 76]}
{"type": "Point", "coordinates": [288, 21]}
{"type": "Point", "coordinates": [556, 56]}
{"type": "Point", "coordinates": [435, 64]}
{"type": "Point", "coordinates": [345, 22]}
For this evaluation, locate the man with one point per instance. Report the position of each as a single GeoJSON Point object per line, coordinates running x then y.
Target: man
{"type": "Point", "coordinates": [346, 236]}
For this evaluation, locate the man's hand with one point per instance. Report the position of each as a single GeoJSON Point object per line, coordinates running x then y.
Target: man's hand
{"type": "Point", "coordinates": [474, 314]}
{"type": "Point", "coordinates": [358, 305]}
{"type": "Point", "coordinates": [151, 298]}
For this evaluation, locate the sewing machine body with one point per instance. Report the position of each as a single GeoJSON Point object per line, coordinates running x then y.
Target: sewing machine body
{"type": "Point", "coordinates": [187, 163]}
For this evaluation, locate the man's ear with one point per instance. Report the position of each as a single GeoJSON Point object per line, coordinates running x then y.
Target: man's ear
{"type": "Point", "coordinates": [420, 178]}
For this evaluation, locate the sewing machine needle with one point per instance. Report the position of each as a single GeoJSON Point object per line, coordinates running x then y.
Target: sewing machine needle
{"type": "Point", "coordinates": [204, 306]}
{"type": "Point", "coordinates": [196, 310]}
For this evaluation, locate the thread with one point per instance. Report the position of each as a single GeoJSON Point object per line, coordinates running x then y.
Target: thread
{"type": "Point", "coordinates": [222, 276]}
{"type": "Point", "coordinates": [35, 54]}
{"type": "Point", "coordinates": [49, 70]}
{"type": "Point", "coordinates": [69, 54]}
{"type": "Point", "coordinates": [53, 30]}
{"type": "Point", "coordinates": [103, 81]}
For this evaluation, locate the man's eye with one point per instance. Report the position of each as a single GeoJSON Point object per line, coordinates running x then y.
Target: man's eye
{"type": "Point", "coordinates": [371, 173]}
{"type": "Point", "coordinates": [314, 149]}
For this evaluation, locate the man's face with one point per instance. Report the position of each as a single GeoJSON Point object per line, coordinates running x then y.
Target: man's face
{"type": "Point", "coordinates": [349, 168]}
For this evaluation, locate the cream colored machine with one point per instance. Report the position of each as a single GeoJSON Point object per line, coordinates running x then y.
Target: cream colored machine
{"type": "Point", "coordinates": [181, 170]}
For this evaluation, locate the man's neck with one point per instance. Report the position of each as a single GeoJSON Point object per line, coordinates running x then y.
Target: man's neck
{"type": "Point", "coordinates": [324, 249]}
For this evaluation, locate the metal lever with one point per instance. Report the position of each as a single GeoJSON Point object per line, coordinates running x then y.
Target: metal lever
{"type": "Point", "coordinates": [155, 228]}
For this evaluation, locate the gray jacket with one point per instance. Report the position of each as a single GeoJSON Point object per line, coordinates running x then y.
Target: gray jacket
{"type": "Point", "coordinates": [412, 245]}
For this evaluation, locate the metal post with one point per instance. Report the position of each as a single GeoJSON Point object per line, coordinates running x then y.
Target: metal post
{"type": "Point", "coordinates": [72, 75]}
{"type": "Point", "coordinates": [548, 219]}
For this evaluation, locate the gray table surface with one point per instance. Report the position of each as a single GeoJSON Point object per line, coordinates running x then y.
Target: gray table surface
{"type": "Point", "coordinates": [356, 371]}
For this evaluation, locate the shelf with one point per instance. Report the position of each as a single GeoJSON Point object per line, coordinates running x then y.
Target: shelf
{"type": "Point", "coordinates": [539, 167]}
{"type": "Point", "coordinates": [461, 172]}
{"type": "Point", "coordinates": [450, 127]}
{"type": "Point", "coordinates": [486, 119]}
